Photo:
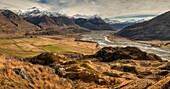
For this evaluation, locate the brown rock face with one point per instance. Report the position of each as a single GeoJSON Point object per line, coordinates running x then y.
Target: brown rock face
{"type": "Point", "coordinates": [11, 23]}
{"type": "Point", "coordinates": [108, 54]}
{"type": "Point", "coordinates": [155, 29]}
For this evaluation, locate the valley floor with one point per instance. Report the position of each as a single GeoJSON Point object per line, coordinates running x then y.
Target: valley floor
{"type": "Point", "coordinates": [26, 47]}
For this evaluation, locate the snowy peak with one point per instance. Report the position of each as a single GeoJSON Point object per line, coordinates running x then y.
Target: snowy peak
{"type": "Point", "coordinates": [129, 19]}
{"type": "Point", "coordinates": [95, 17]}
{"type": "Point", "coordinates": [34, 12]}
{"type": "Point", "coordinates": [124, 21]}
{"type": "Point", "coordinates": [86, 16]}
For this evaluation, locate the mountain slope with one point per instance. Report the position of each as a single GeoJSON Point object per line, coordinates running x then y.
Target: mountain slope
{"type": "Point", "coordinates": [157, 28]}
{"type": "Point", "coordinates": [94, 23]}
{"type": "Point", "coordinates": [11, 23]}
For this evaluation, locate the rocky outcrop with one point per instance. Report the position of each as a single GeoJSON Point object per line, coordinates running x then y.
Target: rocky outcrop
{"type": "Point", "coordinates": [154, 29]}
{"type": "Point", "coordinates": [109, 54]}
{"type": "Point", "coordinates": [49, 58]}
{"type": "Point", "coordinates": [45, 58]}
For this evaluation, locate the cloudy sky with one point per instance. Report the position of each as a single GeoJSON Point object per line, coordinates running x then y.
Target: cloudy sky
{"type": "Point", "coordinates": [103, 8]}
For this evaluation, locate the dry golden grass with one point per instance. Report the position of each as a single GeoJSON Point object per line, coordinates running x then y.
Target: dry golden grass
{"type": "Point", "coordinates": [85, 73]}
{"type": "Point", "coordinates": [45, 79]}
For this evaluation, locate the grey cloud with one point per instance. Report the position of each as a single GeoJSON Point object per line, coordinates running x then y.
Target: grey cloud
{"type": "Point", "coordinates": [104, 8]}
{"type": "Point", "coordinates": [112, 8]}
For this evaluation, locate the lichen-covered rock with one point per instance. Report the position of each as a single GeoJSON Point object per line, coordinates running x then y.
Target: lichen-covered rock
{"type": "Point", "coordinates": [23, 74]}
{"type": "Point", "coordinates": [60, 71]}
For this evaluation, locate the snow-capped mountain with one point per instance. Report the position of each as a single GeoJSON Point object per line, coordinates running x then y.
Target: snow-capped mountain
{"type": "Point", "coordinates": [119, 21]}
{"type": "Point", "coordinates": [85, 16]}
{"type": "Point", "coordinates": [34, 12]}
{"type": "Point", "coordinates": [129, 19]}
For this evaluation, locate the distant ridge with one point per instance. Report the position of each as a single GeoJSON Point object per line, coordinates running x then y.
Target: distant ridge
{"type": "Point", "coordinates": [157, 28]}
{"type": "Point", "coordinates": [93, 23]}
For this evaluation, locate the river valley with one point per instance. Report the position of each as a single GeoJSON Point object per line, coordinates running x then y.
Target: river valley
{"type": "Point", "coordinates": [103, 42]}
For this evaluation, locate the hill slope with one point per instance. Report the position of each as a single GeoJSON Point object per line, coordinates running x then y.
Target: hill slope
{"type": "Point", "coordinates": [50, 70]}
{"type": "Point", "coordinates": [11, 23]}
{"type": "Point", "coordinates": [157, 28]}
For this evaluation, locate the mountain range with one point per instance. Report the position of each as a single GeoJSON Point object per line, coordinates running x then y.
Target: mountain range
{"type": "Point", "coordinates": [36, 22]}
{"type": "Point", "coordinates": [51, 22]}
